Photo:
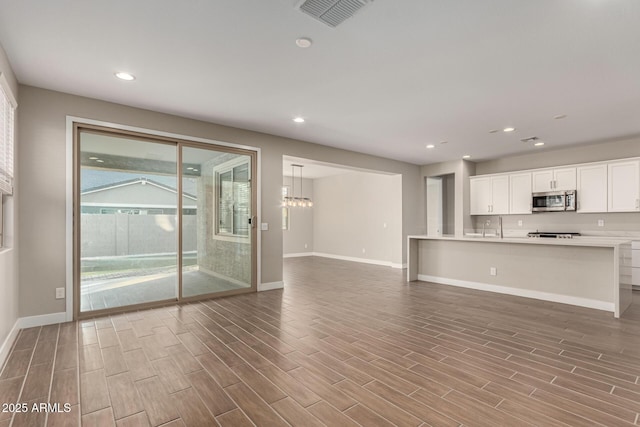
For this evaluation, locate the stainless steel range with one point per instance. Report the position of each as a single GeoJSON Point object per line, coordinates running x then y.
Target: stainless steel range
{"type": "Point", "coordinates": [552, 235]}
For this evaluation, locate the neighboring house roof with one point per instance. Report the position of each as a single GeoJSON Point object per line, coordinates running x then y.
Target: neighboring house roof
{"type": "Point", "coordinates": [94, 180]}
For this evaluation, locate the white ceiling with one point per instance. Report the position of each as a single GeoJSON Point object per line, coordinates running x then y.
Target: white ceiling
{"type": "Point", "coordinates": [397, 76]}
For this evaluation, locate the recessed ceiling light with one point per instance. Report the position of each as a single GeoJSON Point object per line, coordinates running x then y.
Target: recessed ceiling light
{"type": "Point", "coordinates": [125, 76]}
{"type": "Point", "coordinates": [466, 156]}
{"type": "Point", "coordinates": [304, 42]}
{"type": "Point", "coordinates": [430, 146]}
{"type": "Point", "coordinates": [508, 129]}
{"type": "Point", "coordinates": [493, 131]}
{"type": "Point", "coordinates": [539, 144]}
{"type": "Point", "coordinates": [100, 161]}
{"type": "Point", "coordinates": [560, 116]}
{"type": "Point", "coordinates": [299, 120]}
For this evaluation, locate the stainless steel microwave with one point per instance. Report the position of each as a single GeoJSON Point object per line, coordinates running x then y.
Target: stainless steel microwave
{"type": "Point", "coordinates": [554, 201]}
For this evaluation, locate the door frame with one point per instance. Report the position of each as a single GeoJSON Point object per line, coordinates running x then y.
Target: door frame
{"type": "Point", "coordinates": [74, 125]}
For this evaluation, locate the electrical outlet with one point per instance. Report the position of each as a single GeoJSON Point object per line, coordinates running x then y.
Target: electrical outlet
{"type": "Point", "coordinates": [519, 223]}
{"type": "Point", "coordinates": [601, 223]}
{"type": "Point", "coordinates": [59, 293]}
{"type": "Point", "coordinates": [363, 250]}
{"type": "Point", "coordinates": [493, 271]}
{"type": "Point", "coordinates": [306, 246]}
{"type": "Point", "coordinates": [384, 225]}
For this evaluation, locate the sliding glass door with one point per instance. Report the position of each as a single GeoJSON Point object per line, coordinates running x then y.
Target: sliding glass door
{"type": "Point", "coordinates": [158, 220]}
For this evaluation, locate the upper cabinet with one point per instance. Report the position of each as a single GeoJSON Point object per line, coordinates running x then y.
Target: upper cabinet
{"type": "Point", "coordinates": [489, 195]}
{"type": "Point", "coordinates": [592, 188]}
{"type": "Point", "coordinates": [520, 193]}
{"type": "Point", "coordinates": [558, 179]}
{"type": "Point", "coordinates": [612, 186]}
{"type": "Point", "coordinates": [624, 186]}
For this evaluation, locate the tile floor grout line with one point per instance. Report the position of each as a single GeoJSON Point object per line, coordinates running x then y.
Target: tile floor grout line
{"type": "Point", "coordinates": [26, 374]}
{"type": "Point", "coordinates": [53, 369]}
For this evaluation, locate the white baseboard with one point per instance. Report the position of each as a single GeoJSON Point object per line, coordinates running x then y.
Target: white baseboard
{"type": "Point", "coordinates": [353, 259]}
{"type": "Point", "coordinates": [394, 265]}
{"type": "Point", "coordinates": [527, 293]}
{"type": "Point", "coordinates": [346, 258]}
{"type": "Point", "coordinates": [270, 286]}
{"type": "Point", "coordinates": [42, 320]}
{"type": "Point", "coordinates": [299, 254]}
{"type": "Point", "coordinates": [28, 322]}
{"type": "Point", "coordinates": [5, 348]}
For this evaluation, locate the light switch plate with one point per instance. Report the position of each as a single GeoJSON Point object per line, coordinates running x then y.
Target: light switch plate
{"type": "Point", "coordinates": [59, 293]}
{"type": "Point", "coordinates": [601, 223]}
{"type": "Point", "coordinates": [264, 226]}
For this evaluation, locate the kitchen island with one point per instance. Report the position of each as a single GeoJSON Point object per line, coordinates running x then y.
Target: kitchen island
{"type": "Point", "coordinates": [584, 271]}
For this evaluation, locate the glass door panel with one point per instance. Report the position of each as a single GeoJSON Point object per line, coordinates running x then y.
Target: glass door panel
{"type": "Point", "coordinates": [127, 230]}
{"type": "Point", "coordinates": [216, 221]}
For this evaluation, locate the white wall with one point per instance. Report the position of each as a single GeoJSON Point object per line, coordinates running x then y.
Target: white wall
{"type": "Point", "coordinates": [9, 255]}
{"type": "Point", "coordinates": [359, 215]}
{"type": "Point", "coordinates": [300, 232]}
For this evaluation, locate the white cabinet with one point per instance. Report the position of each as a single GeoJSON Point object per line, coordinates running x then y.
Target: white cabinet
{"type": "Point", "coordinates": [489, 195]}
{"type": "Point", "coordinates": [592, 188]}
{"type": "Point", "coordinates": [558, 179]}
{"type": "Point", "coordinates": [520, 193]}
{"type": "Point", "coordinates": [624, 186]}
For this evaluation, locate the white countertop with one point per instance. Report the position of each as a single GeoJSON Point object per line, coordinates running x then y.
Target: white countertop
{"type": "Point", "coordinates": [604, 242]}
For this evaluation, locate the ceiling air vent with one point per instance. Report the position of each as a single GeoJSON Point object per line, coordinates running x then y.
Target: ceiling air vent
{"type": "Point", "coordinates": [332, 12]}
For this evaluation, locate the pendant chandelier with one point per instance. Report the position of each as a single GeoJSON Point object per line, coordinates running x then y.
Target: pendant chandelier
{"type": "Point", "coordinates": [292, 200]}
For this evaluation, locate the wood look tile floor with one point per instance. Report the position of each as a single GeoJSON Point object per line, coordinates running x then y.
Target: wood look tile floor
{"type": "Point", "coordinates": [344, 344]}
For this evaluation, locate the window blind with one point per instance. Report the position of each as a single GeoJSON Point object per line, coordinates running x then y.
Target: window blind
{"type": "Point", "coordinates": [7, 111]}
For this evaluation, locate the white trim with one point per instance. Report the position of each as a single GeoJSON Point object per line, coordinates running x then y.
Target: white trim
{"type": "Point", "coordinates": [6, 346]}
{"type": "Point", "coordinates": [69, 195]}
{"type": "Point", "coordinates": [353, 259]}
{"type": "Point", "coordinates": [270, 286]}
{"type": "Point", "coordinates": [396, 265]}
{"type": "Point", "coordinates": [346, 258]}
{"type": "Point", "coordinates": [299, 254]}
{"type": "Point", "coordinates": [527, 293]}
{"type": "Point", "coordinates": [69, 222]}
{"type": "Point", "coordinates": [41, 320]}
{"type": "Point", "coordinates": [24, 323]}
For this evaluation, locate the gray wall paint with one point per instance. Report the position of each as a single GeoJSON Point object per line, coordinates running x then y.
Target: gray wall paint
{"type": "Point", "coordinates": [350, 212]}
{"type": "Point", "coordinates": [585, 272]}
{"type": "Point", "coordinates": [608, 150]}
{"type": "Point", "coordinates": [300, 230]}
{"type": "Point", "coordinates": [566, 221]}
{"type": "Point", "coordinates": [9, 257]}
{"type": "Point", "coordinates": [42, 175]}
